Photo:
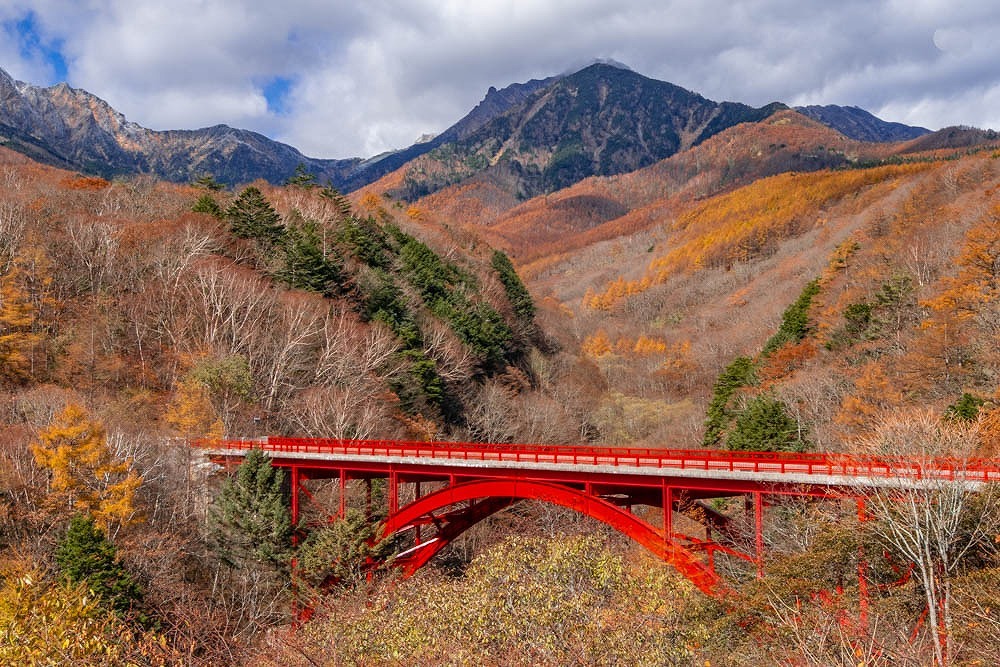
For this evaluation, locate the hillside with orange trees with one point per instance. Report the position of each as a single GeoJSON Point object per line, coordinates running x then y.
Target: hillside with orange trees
{"type": "Point", "coordinates": [703, 251]}
{"type": "Point", "coordinates": [136, 315]}
{"type": "Point", "coordinates": [904, 259]}
{"type": "Point", "coordinates": [603, 207]}
{"type": "Point", "coordinates": [700, 310]}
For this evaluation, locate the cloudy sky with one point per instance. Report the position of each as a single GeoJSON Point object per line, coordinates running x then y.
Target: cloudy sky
{"type": "Point", "coordinates": [339, 79]}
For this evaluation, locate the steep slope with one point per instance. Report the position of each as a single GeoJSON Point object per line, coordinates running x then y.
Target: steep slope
{"type": "Point", "coordinates": [904, 316]}
{"type": "Point", "coordinates": [604, 207]}
{"type": "Point", "coordinates": [601, 120]}
{"type": "Point", "coordinates": [856, 123]}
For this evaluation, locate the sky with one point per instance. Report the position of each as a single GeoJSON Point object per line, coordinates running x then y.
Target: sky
{"type": "Point", "coordinates": [340, 79]}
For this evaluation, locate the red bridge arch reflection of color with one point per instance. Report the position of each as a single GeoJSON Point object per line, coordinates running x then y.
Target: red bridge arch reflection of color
{"type": "Point", "coordinates": [438, 490]}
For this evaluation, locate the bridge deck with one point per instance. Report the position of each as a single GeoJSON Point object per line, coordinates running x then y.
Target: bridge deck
{"type": "Point", "coordinates": [786, 469]}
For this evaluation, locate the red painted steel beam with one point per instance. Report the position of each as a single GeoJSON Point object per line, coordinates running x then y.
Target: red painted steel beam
{"type": "Point", "coordinates": [703, 577]}
{"type": "Point", "coordinates": [458, 523]}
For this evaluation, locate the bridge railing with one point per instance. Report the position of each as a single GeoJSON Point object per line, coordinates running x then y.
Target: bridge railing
{"type": "Point", "coordinates": [976, 470]}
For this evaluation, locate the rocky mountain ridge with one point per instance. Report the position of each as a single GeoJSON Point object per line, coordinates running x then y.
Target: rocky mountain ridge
{"type": "Point", "coordinates": [603, 119]}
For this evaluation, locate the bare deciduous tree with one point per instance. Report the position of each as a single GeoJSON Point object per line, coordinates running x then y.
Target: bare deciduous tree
{"type": "Point", "coordinates": [938, 521]}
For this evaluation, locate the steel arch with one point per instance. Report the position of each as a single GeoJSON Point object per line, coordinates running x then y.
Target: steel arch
{"type": "Point", "coordinates": [495, 494]}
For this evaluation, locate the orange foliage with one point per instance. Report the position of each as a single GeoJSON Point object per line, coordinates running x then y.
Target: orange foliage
{"type": "Point", "coordinates": [419, 428]}
{"type": "Point", "coordinates": [786, 360]}
{"type": "Point", "coordinates": [874, 393]}
{"type": "Point", "coordinates": [85, 183]}
{"type": "Point", "coordinates": [749, 222]}
{"type": "Point", "coordinates": [943, 355]}
{"type": "Point", "coordinates": [371, 202]}
{"type": "Point", "coordinates": [597, 345]}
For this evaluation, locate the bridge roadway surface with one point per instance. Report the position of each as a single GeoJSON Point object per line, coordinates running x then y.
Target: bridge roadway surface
{"type": "Point", "coordinates": [777, 472]}
{"type": "Point", "coordinates": [472, 481]}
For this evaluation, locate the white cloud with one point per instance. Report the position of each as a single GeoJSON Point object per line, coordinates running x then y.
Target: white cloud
{"type": "Point", "coordinates": [373, 75]}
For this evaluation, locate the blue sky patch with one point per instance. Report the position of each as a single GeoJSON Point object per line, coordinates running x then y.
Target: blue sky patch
{"type": "Point", "coordinates": [276, 93]}
{"type": "Point", "coordinates": [32, 46]}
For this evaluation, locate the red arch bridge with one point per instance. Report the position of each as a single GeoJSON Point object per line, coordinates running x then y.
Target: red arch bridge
{"type": "Point", "coordinates": [438, 490]}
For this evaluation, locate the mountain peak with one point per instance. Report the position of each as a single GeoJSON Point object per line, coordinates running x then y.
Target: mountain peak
{"type": "Point", "coordinates": [598, 62]}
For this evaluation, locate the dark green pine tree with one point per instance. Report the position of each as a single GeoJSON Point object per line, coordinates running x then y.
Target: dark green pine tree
{"type": "Point", "coordinates": [795, 324]}
{"type": "Point", "coordinates": [249, 521]}
{"type": "Point", "coordinates": [305, 265]}
{"type": "Point", "coordinates": [207, 182]}
{"type": "Point", "coordinates": [302, 178]}
{"type": "Point", "coordinates": [765, 425]}
{"type": "Point", "coordinates": [207, 204]}
{"type": "Point", "coordinates": [739, 373]}
{"type": "Point", "coordinates": [86, 555]}
{"type": "Point", "coordinates": [517, 293]}
{"type": "Point", "coordinates": [251, 216]}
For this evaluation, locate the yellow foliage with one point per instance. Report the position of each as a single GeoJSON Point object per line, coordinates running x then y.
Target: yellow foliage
{"type": "Point", "coordinates": [17, 319]}
{"type": "Point", "coordinates": [646, 346]}
{"type": "Point", "coordinates": [371, 201]}
{"type": "Point", "coordinates": [85, 475]}
{"type": "Point", "coordinates": [45, 622]}
{"type": "Point", "coordinates": [191, 412]}
{"type": "Point", "coordinates": [525, 601]}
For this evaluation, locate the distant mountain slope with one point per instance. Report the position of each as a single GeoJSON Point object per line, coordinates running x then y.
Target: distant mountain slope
{"type": "Point", "coordinates": [69, 127]}
{"type": "Point", "coordinates": [859, 124]}
{"type": "Point", "coordinates": [526, 139]}
{"type": "Point", "coordinates": [951, 137]}
{"type": "Point", "coordinates": [496, 103]}
{"type": "Point", "coordinates": [600, 208]}
{"type": "Point", "coordinates": [601, 120]}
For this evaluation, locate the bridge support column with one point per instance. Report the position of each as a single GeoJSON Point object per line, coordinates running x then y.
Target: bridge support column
{"type": "Point", "coordinates": [342, 500]}
{"type": "Point", "coordinates": [393, 482]}
{"type": "Point", "coordinates": [758, 531]}
{"type": "Point", "coordinates": [668, 511]}
{"type": "Point", "coordinates": [295, 496]}
{"type": "Point", "coordinates": [416, 527]}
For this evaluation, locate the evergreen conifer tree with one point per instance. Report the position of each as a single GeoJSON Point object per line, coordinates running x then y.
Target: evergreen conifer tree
{"type": "Point", "coordinates": [305, 266]}
{"type": "Point", "coordinates": [251, 216]}
{"type": "Point", "coordinates": [517, 293]}
{"type": "Point", "coordinates": [765, 425]}
{"type": "Point", "coordinates": [249, 522]}
{"type": "Point", "coordinates": [739, 373]}
{"type": "Point", "coordinates": [86, 556]}
{"type": "Point", "coordinates": [207, 204]}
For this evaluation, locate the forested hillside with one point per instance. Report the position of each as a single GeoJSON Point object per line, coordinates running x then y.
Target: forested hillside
{"type": "Point", "coordinates": [777, 286]}
{"type": "Point", "coordinates": [137, 315]}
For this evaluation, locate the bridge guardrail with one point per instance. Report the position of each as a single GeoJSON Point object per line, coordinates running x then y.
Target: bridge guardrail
{"type": "Point", "coordinates": [977, 470]}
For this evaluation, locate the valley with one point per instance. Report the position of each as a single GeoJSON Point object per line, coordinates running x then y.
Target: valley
{"type": "Point", "coordinates": [593, 260]}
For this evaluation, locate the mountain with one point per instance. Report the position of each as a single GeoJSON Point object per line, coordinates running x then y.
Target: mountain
{"type": "Point", "coordinates": [604, 207]}
{"type": "Point", "coordinates": [601, 120]}
{"type": "Point", "coordinates": [527, 138]}
{"type": "Point", "coordinates": [69, 127]}
{"type": "Point", "coordinates": [496, 103]}
{"type": "Point", "coordinates": [859, 124]}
